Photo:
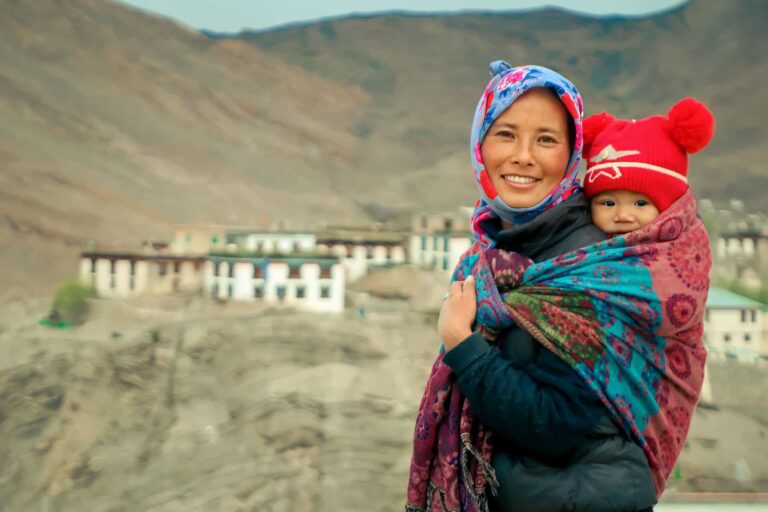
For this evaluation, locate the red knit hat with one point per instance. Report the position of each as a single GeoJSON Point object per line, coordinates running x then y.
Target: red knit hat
{"type": "Point", "coordinates": [648, 156]}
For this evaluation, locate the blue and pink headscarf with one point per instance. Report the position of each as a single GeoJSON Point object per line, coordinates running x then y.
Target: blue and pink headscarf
{"type": "Point", "coordinates": [507, 85]}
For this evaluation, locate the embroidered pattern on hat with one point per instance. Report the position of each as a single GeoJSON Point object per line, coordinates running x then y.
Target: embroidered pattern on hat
{"type": "Point", "coordinates": [610, 153]}
{"type": "Point", "coordinates": [602, 170]}
{"type": "Point", "coordinates": [612, 173]}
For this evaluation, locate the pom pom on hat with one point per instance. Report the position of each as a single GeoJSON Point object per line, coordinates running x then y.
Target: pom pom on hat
{"type": "Point", "coordinates": [691, 124]}
{"type": "Point", "coordinates": [593, 125]}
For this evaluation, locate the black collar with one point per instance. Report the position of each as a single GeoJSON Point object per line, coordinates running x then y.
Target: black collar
{"type": "Point", "coordinates": [545, 231]}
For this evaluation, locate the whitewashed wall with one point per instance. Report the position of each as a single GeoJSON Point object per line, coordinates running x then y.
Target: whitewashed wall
{"type": "Point", "coordinates": [278, 287]}
{"type": "Point", "coordinates": [725, 332]}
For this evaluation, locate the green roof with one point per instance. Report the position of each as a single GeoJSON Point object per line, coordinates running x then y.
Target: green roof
{"type": "Point", "coordinates": [726, 299]}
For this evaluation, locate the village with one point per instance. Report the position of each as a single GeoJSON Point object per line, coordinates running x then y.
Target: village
{"type": "Point", "coordinates": [312, 270]}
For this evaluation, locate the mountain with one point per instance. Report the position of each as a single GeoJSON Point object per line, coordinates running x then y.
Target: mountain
{"type": "Point", "coordinates": [425, 73]}
{"type": "Point", "coordinates": [118, 124]}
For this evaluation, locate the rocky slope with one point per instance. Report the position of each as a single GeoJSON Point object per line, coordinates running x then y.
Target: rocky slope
{"type": "Point", "coordinates": [242, 408]}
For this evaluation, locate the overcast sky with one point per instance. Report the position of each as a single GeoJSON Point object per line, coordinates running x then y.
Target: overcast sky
{"type": "Point", "coordinates": [234, 15]}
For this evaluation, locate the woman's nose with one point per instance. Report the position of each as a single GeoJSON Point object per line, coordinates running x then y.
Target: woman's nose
{"type": "Point", "coordinates": [522, 154]}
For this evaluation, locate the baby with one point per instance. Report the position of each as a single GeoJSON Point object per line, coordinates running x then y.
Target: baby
{"type": "Point", "coordinates": [637, 168]}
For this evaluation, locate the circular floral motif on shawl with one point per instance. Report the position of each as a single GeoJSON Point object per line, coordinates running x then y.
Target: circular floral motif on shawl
{"type": "Point", "coordinates": [670, 229]}
{"type": "Point", "coordinates": [678, 361]}
{"type": "Point", "coordinates": [622, 351]}
{"type": "Point", "coordinates": [607, 274]}
{"type": "Point", "coordinates": [679, 418]}
{"type": "Point", "coordinates": [570, 258]}
{"type": "Point", "coordinates": [680, 309]}
{"type": "Point", "coordinates": [692, 268]}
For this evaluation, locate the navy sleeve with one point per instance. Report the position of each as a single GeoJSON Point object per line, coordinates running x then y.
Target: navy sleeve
{"type": "Point", "coordinates": [545, 406]}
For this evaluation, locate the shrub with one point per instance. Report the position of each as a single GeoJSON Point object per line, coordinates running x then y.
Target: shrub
{"type": "Point", "coordinates": [69, 303]}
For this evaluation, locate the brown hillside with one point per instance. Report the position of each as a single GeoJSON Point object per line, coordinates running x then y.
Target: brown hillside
{"type": "Point", "coordinates": [424, 74]}
{"type": "Point", "coordinates": [117, 124]}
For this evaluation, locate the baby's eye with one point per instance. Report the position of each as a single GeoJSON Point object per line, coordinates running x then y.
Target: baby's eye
{"type": "Point", "coordinates": [608, 202]}
{"type": "Point", "coordinates": [641, 202]}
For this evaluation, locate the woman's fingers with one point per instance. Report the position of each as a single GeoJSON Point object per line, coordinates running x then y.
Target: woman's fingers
{"type": "Point", "coordinates": [455, 289]}
{"type": "Point", "coordinates": [469, 286]}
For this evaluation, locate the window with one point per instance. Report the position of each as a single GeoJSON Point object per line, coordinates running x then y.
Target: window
{"type": "Point", "coordinates": [296, 247]}
{"type": "Point", "coordinates": [743, 316]}
{"type": "Point", "coordinates": [325, 272]}
{"type": "Point", "coordinates": [258, 271]}
{"type": "Point", "coordinates": [434, 243]}
{"type": "Point", "coordinates": [230, 290]}
{"type": "Point", "coordinates": [448, 224]}
{"type": "Point", "coordinates": [445, 262]}
{"type": "Point", "coordinates": [726, 338]}
{"type": "Point", "coordinates": [281, 293]}
{"type": "Point", "coordinates": [231, 271]}
{"type": "Point", "coordinates": [325, 292]}
{"type": "Point", "coordinates": [162, 268]}
{"type": "Point", "coordinates": [753, 315]}
{"type": "Point", "coordinates": [294, 272]}
{"type": "Point", "coordinates": [423, 242]}
{"type": "Point", "coordinates": [300, 292]}
{"type": "Point", "coordinates": [446, 243]}
{"type": "Point", "coordinates": [258, 292]}
{"type": "Point", "coordinates": [176, 267]}
{"type": "Point", "coordinates": [424, 223]}
{"type": "Point", "coordinates": [747, 338]}
{"type": "Point", "coordinates": [132, 280]}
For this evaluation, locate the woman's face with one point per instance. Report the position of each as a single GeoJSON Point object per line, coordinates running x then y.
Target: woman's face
{"type": "Point", "coordinates": [526, 150]}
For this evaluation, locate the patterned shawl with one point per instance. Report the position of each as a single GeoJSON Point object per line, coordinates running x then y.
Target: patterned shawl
{"type": "Point", "coordinates": [626, 314]}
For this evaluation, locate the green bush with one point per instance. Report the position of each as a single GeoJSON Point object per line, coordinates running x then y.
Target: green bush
{"type": "Point", "coordinates": [69, 303]}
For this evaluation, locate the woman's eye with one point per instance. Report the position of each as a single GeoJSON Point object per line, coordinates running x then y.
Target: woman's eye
{"type": "Point", "coordinates": [505, 133]}
{"type": "Point", "coordinates": [547, 139]}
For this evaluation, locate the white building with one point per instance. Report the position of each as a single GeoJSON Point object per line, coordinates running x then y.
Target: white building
{"type": "Point", "coordinates": [439, 239]}
{"type": "Point", "coordinates": [120, 274]}
{"type": "Point", "coordinates": [197, 240]}
{"type": "Point", "coordinates": [311, 282]}
{"type": "Point", "coordinates": [733, 326]}
{"type": "Point", "coordinates": [272, 242]}
{"type": "Point", "coordinates": [359, 250]}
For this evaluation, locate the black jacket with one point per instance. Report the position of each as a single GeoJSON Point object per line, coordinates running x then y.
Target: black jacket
{"type": "Point", "coordinates": [556, 448]}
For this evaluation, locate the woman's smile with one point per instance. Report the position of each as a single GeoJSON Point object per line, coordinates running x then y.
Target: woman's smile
{"type": "Point", "coordinates": [519, 181]}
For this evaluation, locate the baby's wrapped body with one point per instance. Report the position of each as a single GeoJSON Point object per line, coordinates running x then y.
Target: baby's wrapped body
{"type": "Point", "coordinates": [555, 446]}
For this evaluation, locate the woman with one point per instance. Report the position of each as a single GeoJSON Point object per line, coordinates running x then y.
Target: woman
{"type": "Point", "coordinates": [554, 445]}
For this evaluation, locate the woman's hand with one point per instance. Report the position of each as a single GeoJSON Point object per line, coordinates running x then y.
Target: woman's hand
{"type": "Point", "coordinates": [458, 313]}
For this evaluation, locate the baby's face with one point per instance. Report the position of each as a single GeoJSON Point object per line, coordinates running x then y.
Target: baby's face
{"type": "Point", "coordinates": [617, 212]}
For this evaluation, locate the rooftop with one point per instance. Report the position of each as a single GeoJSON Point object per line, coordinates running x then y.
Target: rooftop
{"type": "Point", "coordinates": [726, 299]}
